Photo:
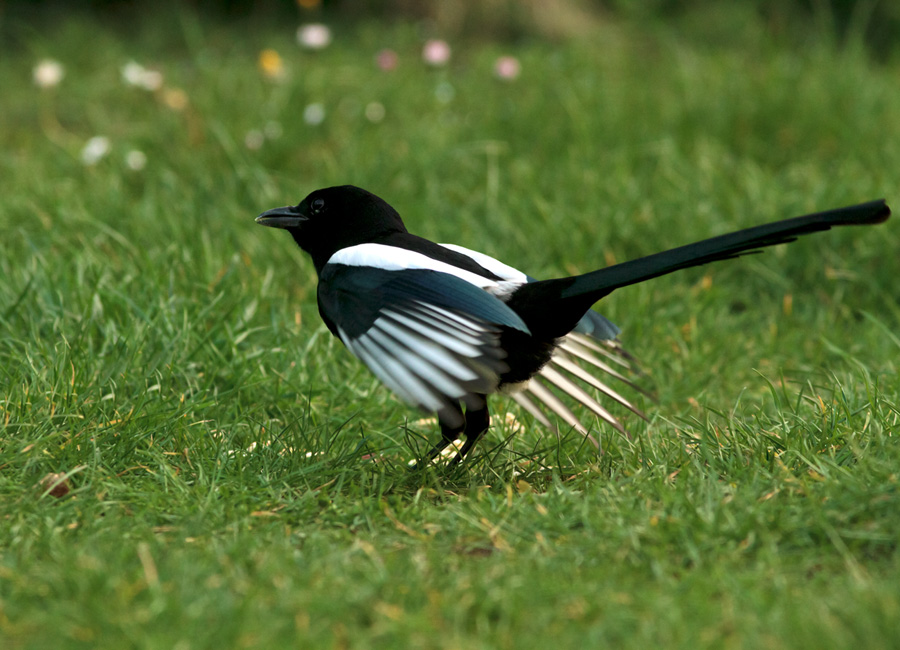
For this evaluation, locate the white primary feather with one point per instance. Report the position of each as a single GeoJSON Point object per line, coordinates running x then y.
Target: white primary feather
{"type": "Point", "coordinates": [434, 365]}
{"type": "Point", "coordinates": [436, 355]}
{"type": "Point", "coordinates": [452, 341]}
{"type": "Point", "coordinates": [431, 357]}
{"type": "Point", "coordinates": [400, 375]}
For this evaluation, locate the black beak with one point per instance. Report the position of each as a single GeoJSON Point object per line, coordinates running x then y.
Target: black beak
{"type": "Point", "coordinates": [286, 217]}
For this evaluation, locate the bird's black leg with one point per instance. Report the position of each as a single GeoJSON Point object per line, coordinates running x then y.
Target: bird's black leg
{"type": "Point", "coordinates": [448, 435]}
{"type": "Point", "coordinates": [477, 423]}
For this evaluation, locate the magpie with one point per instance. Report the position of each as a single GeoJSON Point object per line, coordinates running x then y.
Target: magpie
{"type": "Point", "coordinates": [444, 326]}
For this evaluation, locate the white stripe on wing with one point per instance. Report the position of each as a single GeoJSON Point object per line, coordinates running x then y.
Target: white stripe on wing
{"type": "Point", "coordinates": [493, 265]}
{"type": "Point", "coordinates": [392, 258]}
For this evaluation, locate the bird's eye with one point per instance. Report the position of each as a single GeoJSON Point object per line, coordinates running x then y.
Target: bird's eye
{"type": "Point", "coordinates": [318, 205]}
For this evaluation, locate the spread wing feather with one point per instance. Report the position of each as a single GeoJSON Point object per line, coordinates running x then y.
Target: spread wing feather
{"type": "Point", "coordinates": [432, 338]}
{"type": "Point", "coordinates": [593, 344]}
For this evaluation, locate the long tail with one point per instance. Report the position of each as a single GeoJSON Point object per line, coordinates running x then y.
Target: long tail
{"type": "Point", "coordinates": [552, 307]}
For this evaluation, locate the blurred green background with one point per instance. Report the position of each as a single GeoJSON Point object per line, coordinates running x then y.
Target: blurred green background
{"type": "Point", "coordinates": [189, 460]}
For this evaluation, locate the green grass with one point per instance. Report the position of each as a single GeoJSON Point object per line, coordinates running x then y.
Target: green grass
{"type": "Point", "coordinates": [166, 354]}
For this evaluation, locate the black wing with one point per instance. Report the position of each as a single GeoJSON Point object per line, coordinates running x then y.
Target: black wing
{"type": "Point", "coordinates": [432, 338]}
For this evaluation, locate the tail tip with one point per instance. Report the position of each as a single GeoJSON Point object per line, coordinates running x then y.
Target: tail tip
{"type": "Point", "coordinates": [875, 211]}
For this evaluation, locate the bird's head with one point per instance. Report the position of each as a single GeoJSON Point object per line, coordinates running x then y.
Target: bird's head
{"type": "Point", "coordinates": [333, 218]}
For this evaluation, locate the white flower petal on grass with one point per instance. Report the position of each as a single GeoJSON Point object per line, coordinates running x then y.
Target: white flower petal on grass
{"type": "Point", "coordinates": [375, 112]}
{"type": "Point", "coordinates": [134, 74]}
{"type": "Point", "coordinates": [131, 73]}
{"type": "Point", "coordinates": [153, 80]}
{"type": "Point", "coordinates": [507, 68]}
{"type": "Point", "coordinates": [136, 160]}
{"type": "Point", "coordinates": [314, 36]}
{"type": "Point", "coordinates": [95, 149]}
{"type": "Point", "coordinates": [436, 52]}
{"type": "Point", "coordinates": [48, 73]}
{"type": "Point", "coordinates": [314, 114]}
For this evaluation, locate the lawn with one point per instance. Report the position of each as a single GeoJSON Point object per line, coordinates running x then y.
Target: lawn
{"type": "Point", "coordinates": [234, 478]}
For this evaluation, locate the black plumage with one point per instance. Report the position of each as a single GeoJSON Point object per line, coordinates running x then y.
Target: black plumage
{"type": "Point", "coordinates": [443, 326]}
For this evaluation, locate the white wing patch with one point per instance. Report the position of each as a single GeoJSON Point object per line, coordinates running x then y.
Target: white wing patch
{"type": "Point", "coordinates": [493, 265]}
{"type": "Point", "coordinates": [393, 258]}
